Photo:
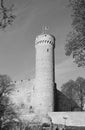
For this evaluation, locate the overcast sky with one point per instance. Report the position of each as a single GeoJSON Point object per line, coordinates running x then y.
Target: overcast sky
{"type": "Point", "coordinates": [17, 45]}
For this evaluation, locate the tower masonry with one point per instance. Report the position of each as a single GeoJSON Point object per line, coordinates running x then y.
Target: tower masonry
{"type": "Point", "coordinates": [45, 73]}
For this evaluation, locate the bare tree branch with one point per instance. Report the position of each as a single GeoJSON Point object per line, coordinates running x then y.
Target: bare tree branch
{"type": "Point", "coordinates": [6, 16]}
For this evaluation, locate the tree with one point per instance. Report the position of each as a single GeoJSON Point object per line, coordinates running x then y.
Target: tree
{"type": "Point", "coordinates": [6, 112]}
{"type": "Point", "coordinates": [75, 43]}
{"type": "Point", "coordinates": [75, 90]}
{"type": "Point", "coordinates": [80, 88]}
{"type": "Point", "coordinates": [9, 118]}
{"type": "Point", "coordinates": [6, 15]}
{"type": "Point", "coordinates": [67, 88]}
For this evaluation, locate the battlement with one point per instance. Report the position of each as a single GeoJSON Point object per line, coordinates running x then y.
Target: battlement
{"type": "Point", "coordinates": [45, 39]}
{"type": "Point", "coordinates": [20, 81]}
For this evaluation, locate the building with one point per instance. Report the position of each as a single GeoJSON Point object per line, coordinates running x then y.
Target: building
{"type": "Point", "coordinates": [45, 73]}
{"type": "Point", "coordinates": [38, 95]}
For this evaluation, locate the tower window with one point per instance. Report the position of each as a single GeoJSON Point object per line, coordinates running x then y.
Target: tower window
{"type": "Point", "coordinates": [47, 50]}
{"type": "Point", "coordinates": [31, 109]}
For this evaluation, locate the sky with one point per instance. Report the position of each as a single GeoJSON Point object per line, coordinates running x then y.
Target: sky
{"type": "Point", "coordinates": [17, 43]}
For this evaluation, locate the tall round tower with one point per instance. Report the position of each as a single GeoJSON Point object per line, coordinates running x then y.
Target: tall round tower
{"type": "Point", "coordinates": [45, 73]}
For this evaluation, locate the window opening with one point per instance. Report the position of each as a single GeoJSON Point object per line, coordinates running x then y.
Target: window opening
{"type": "Point", "coordinates": [47, 50]}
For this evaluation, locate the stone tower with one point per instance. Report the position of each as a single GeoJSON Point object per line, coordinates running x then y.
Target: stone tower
{"type": "Point", "coordinates": [45, 73]}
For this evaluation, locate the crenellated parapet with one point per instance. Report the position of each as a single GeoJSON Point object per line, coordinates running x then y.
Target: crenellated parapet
{"type": "Point", "coordinates": [45, 39]}
{"type": "Point", "coordinates": [16, 82]}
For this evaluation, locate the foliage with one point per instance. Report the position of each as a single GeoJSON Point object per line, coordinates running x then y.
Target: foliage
{"type": "Point", "coordinates": [75, 43]}
{"type": "Point", "coordinates": [9, 118]}
{"type": "Point", "coordinates": [67, 88]}
{"type": "Point", "coordinates": [6, 15]}
{"type": "Point", "coordinates": [75, 90]}
{"type": "Point", "coordinates": [7, 114]}
{"type": "Point", "coordinates": [80, 88]}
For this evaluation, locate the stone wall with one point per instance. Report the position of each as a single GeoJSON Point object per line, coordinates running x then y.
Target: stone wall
{"type": "Point", "coordinates": [44, 78]}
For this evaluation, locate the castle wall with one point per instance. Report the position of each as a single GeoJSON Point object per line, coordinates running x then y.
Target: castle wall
{"type": "Point", "coordinates": [22, 96]}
